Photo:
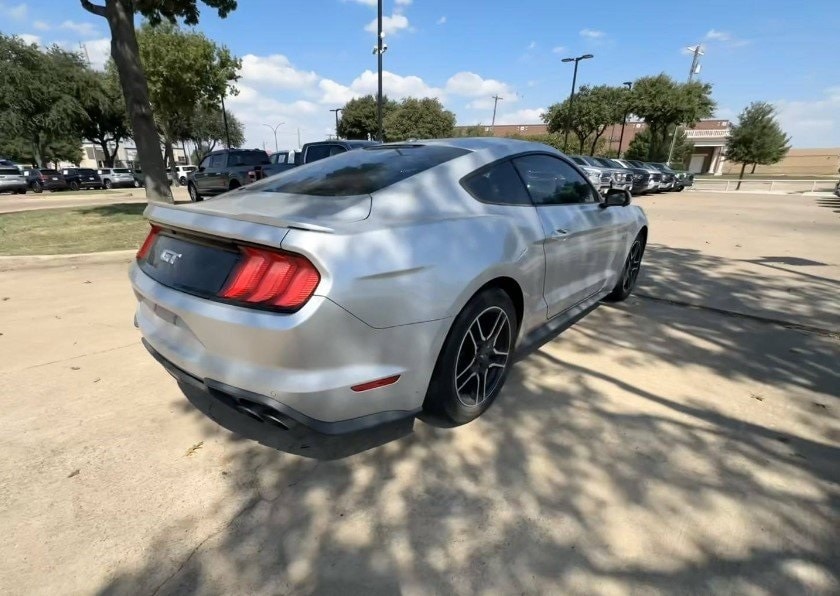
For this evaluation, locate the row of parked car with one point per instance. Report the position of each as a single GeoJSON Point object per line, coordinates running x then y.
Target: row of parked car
{"type": "Point", "coordinates": [638, 177]}
{"type": "Point", "coordinates": [20, 179]}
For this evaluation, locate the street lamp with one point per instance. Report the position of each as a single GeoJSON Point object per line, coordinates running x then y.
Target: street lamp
{"type": "Point", "coordinates": [629, 86]}
{"type": "Point", "coordinates": [336, 111]}
{"type": "Point", "coordinates": [274, 130]}
{"type": "Point", "coordinates": [572, 94]}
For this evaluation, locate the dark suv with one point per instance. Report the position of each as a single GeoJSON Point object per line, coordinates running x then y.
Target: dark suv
{"type": "Point", "coordinates": [81, 178]}
{"type": "Point", "coordinates": [221, 171]}
{"type": "Point", "coordinates": [44, 179]}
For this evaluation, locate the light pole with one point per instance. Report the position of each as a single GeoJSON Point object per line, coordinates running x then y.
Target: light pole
{"type": "Point", "coordinates": [380, 48]}
{"type": "Point", "coordinates": [274, 130]}
{"type": "Point", "coordinates": [224, 117]}
{"type": "Point", "coordinates": [629, 85]}
{"type": "Point", "coordinates": [336, 111]}
{"type": "Point", "coordinates": [696, 51]}
{"type": "Point", "coordinates": [572, 94]}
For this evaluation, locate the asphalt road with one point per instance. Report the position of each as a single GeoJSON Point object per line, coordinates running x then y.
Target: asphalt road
{"type": "Point", "coordinates": [684, 442]}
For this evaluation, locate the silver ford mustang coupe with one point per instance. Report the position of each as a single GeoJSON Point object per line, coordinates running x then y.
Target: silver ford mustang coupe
{"type": "Point", "coordinates": [381, 282]}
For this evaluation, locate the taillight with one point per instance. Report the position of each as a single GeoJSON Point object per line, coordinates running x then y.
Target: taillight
{"type": "Point", "coordinates": [271, 278]}
{"type": "Point", "coordinates": [147, 244]}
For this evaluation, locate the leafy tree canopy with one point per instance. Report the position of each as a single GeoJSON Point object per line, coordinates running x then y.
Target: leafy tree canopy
{"type": "Point", "coordinates": [592, 110]}
{"type": "Point", "coordinates": [358, 117]}
{"type": "Point", "coordinates": [640, 147]}
{"type": "Point", "coordinates": [106, 123]}
{"type": "Point", "coordinates": [757, 138]}
{"type": "Point", "coordinates": [206, 129]}
{"type": "Point", "coordinates": [414, 118]}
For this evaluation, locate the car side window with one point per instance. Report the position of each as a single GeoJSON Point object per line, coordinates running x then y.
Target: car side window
{"type": "Point", "coordinates": [217, 161]}
{"type": "Point", "coordinates": [336, 149]}
{"type": "Point", "coordinates": [552, 181]}
{"type": "Point", "coordinates": [498, 184]}
{"type": "Point", "coordinates": [318, 152]}
{"type": "Point", "coordinates": [205, 163]}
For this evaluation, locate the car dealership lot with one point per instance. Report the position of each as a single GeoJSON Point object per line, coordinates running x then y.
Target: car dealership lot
{"type": "Point", "coordinates": [687, 441]}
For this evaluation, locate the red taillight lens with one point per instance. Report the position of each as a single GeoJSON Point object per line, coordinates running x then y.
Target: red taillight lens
{"type": "Point", "coordinates": [147, 244]}
{"type": "Point", "coordinates": [376, 384]}
{"type": "Point", "coordinates": [272, 278]}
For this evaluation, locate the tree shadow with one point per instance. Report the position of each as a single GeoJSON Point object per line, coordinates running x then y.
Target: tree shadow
{"type": "Point", "coordinates": [115, 209]}
{"type": "Point", "coordinates": [587, 475]}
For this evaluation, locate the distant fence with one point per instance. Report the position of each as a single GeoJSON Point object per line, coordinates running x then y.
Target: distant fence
{"type": "Point", "coordinates": [792, 186]}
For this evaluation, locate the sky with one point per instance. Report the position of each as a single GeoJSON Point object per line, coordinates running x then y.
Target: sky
{"type": "Point", "coordinates": [300, 59]}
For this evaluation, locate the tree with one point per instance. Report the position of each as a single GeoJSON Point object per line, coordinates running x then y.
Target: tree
{"type": "Point", "coordinates": [645, 147]}
{"type": "Point", "coordinates": [126, 55]}
{"type": "Point", "coordinates": [663, 103]}
{"type": "Point", "coordinates": [207, 128]}
{"type": "Point", "coordinates": [478, 130]}
{"type": "Point", "coordinates": [358, 117]}
{"type": "Point", "coordinates": [106, 123]}
{"type": "Point", "coordinates": [415, 118]}
{"type": "Point", "coordinates": [39, 100]}
{"type": "Point", "coordinates": [589, 115]}
{"type": "Point", "coordinates": [757, 138]}
{"type": "Point", "coordinates": [185, 71]}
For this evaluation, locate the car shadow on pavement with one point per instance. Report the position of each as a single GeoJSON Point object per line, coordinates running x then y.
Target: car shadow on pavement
{"type": "Point", "coordinates": [587, 475]}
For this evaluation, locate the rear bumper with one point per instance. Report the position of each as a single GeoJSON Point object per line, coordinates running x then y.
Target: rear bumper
{"type": "Point", "coordinates": [301, 364]}
{"type": "Point", "coordinates": [121, 183]}
{"type": "Point", "coordinates": [12, 186]}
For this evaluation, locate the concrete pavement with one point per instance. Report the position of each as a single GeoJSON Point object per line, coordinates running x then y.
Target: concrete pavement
{"type": "Point", "coordinates": [57, 200]}
{"type": "Point", "coordinates": [654, 447]}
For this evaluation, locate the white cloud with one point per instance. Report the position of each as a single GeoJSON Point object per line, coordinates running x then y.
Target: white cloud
{"type": "Point", "coordinates": [592, 33]}
{"type": "Point", "coordinates": [15, 12]}
{"type": "Point", "coordinates": [275, 71]}
{"type": "Point", "coordinates": [812, 123]}
{"type": "Point", "coordinates": [716, 35]}
{"type": "Point", "coordinates": [390, 24]}
{"type": "Point", "coordinates": [29, 38]}
{"type": "Point", "coordinates": [395, 87]}
{"type": "Point", "coordinates": [441, 21]}
{"type": "Point", "coordinates": [41, 25]}
{"type": "Point", "coordinates": [98, 51]}
{"type": "Point", "coordinates": [470, 84]}
{"type": "Point", "coordinates": [335, 93]}
{"type": "Point", "coordinates": [523, 116]}
{"type": "Point", "coordinates": [83, 29]}
{"type": "Point", "coordinates": [558, 49]}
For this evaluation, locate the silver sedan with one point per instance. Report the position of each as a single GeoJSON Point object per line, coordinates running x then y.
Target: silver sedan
{"type": "Point", "coordinates": [378, 283]}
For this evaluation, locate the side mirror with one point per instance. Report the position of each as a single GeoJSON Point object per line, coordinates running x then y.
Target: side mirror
{"type": "Point", "coordinates": [616, 197]}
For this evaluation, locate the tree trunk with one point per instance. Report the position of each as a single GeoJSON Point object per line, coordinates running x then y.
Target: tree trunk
{"type": "Point", "coordinates": [753, 168]}
{"type": "Point", "coordinates": [36, 152]}
{"type": "Point", "coordinates": [595, 141]}
{"type": "Point", "coordinates": [170, 160]}
{"type": "Point", "coordinates": [103, 144]}
{"type": "Point", "coordinates": [111, 157]}
{"type": "Point", "coordinates": [582, 142]}
{"type": "Point", "coordinates": [126, 55]}
{"type": "Point", "coordinates": [741, 176]}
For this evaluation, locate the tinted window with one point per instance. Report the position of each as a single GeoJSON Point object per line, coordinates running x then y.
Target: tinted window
{"type": "Point", "coordinates": [205, 163]}
{"type": "Point", "coordinates": [247, 158]}
{"type": "Point", "coordinates": [499, 184]}
{"type": "Point", "coordinates": [49, 171]}
{"type": "Point", "coordinates": [121, 171]}
{"type": "Point", "coordinates": [217, 161]}
{"type": "Point", "coordinates": [86, 172]}
{"type": "Point", "coordinates": [317, 152]}
{"type": "Point", "coordinates": [552, 181]}
{"type": "Point", "coordinates": [9, 172]}
{"type": "Point", "coordinates": [604, 162]}
{"type": "Point", "coordinates": [579, 161]}
{"type": "Point", "coordinates": [359, 172]}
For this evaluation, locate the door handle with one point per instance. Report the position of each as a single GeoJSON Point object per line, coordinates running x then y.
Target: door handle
{"type": "Point", "coordinates": [559, 234]}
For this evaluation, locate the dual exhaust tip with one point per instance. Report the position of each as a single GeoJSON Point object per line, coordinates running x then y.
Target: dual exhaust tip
{"type": "Point", "coordinates": [262, 414]}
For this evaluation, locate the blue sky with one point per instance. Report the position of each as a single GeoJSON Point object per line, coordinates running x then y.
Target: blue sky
{"type": "Point", "coordinates": [301, 59]}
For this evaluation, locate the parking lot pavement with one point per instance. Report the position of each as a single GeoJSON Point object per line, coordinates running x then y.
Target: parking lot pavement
{"type": "Point", "coordinates": [57, 200]}
{"type": "Point", "coordinates": [654, 447]}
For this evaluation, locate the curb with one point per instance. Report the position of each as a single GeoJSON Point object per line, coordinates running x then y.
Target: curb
{"type": "Point", "coordinates": [17, 263]}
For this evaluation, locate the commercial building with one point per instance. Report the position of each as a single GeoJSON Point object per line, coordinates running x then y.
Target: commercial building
{"type": "Point", "coordinates": [94, 157]}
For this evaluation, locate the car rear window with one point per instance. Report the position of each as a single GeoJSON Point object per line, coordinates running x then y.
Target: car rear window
{"type": "Point", "coordinates": [86, 172]}
{"type": "Point", "coordinates": [9, 171]}
{"type": "Point", "coordinates": [248, 158]}
{"type": "Point", "coordinates": [121, 171]}
{"type": "Point", "coordinates": [49, 171]}
{"type": "Point", "coordinates": [359, 172]}
{"type": "Point", "coordinates": [579, 161]}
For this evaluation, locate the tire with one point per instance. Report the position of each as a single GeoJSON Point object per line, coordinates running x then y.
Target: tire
{"type": "Point", "coordinates": [74, 186]}
{"type": "Point", "coordinates": [107, 184]}
{"type": "Point", "coordinates": [136, 184]}
{"type": "Point", "coordinates": [680, 189]}
{"type": "Point", "coordinates": [21, 191]}
{"type": "Point", "coordinates": [194, 196]}
{"type": "Point", "coordinates": [37, 188]}
{"type": "Point", "coordinates": [234, 185]}
{"type": "Point", "coordinates": [630, 271]}
{"type": "Point", "coordinates": [182, 181]}
{"type": "Point", "coordinates": [481, 375]}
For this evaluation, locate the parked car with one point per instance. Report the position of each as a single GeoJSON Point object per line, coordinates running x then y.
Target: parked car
{"type": "Point", "coordinates": [78, 178]}
{"type": "Point", "coordinates": [184, 172]}
{"type": "Point", "coordinates": [622, 177]}
{"type": "Point", "coordinates": [43, 179]}
{"type": "Point", "coordinates": [12, 180]}
{"type": "Point", "coordinates": [116, 177]}
{"type": "Point", "coordinates": [224, 170]}
{"type": "Point", "coordinates": [312, 152]}
{"type": "Point", "coordinates": [282, 157]}
{"type": "Point", "coordinates": [645, 178]}
{"type": "Point", "coordinates": [382, 281]}
{"type": "Point", "coordinates": [669, 177]}
{"type": "Point", "coordinates": [597, 175]}
{"type": "Point", "coordinates": [140, 178]}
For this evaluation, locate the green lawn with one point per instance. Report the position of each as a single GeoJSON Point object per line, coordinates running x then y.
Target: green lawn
{"type": "Point", "coordinates": [73, 230]}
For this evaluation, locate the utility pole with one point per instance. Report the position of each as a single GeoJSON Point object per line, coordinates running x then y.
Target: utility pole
{"type": "Point", "coordinates": [379, 49]}
{"type": "Point", "coordinates": [696, 52]}
{"type": "Point", "coordinates": [572, 94]}
{"type": "Point", "coordinates": [496, 100]}
{"type": "Point", "coordinates": [336, 111]}
{"type": "Point", "coordinates": [629, 86]}
{"type": "Point", "coordinates": [85, 50]}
